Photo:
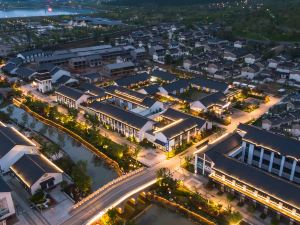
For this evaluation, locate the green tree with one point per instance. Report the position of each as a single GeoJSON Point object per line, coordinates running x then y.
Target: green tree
{"type": "Point", "coordinates": [80, 178]}
{"type": "Point", "coordinates": [10, 110]}
{"type": "Point", "coordinates": [24, 119]}
{"type": "Point", "coordinates": [113, 215]}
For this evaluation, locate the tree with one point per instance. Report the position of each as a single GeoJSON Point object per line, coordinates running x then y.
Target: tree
{"type": "Point", "coordinates": [136, 151]}
{"type": "Point", "coordinates": [24, 118]}
{"type": "Point", "coordinates": [112, 214]}
{"type": "Point", "coordinates": [81, 179]}
{"type": "Point", "coordinates": [33, 124]}
{"type": "Point", "coordinates": [168, 59]}
{"type": "Point", "coordinates": [10, 110]}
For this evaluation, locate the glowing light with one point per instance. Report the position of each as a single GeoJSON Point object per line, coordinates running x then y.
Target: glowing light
{"type": "Point", "coordinates": [50, 9]}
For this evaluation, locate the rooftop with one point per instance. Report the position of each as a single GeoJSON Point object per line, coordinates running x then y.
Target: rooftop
{"type": "Point", "coordinates": [30, 168]}
{"type": "Point", "coordinates": [9, 138]}
{"type": "Point", "coordinates": [119, 114]}
{"type": "Point", "coordinates": [275, 142]}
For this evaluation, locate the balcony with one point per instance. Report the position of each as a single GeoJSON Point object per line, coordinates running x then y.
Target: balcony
{"type": "Point", "coordinates": [3, 212]}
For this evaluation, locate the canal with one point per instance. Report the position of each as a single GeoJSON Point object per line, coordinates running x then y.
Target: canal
{"type": "Point", "coordinates": [100, 173]}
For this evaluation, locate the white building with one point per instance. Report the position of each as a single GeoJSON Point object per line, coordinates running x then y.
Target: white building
{"type": "Point", "coordinates": [7, 207]}
{"type": "Point", "coordinates": [124, 122]}
{"type": "Point", "coordinates": [70, 97]}
{"type": "Point", "coordinates": [43, 83]}
{"type": "Point", "coordinates": [36, 172]}
{"type": "Point", "coordinates": [13, 146]}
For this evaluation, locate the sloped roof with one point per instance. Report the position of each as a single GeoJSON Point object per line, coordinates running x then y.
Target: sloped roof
{"type": "Point", "coordinates": [131, 80]}
{"type": "Point", "coordinates": [119, 114]}
{"type": "Point", "coordinates": [32, 167]}
{"type": "Point", "coordinates": [69, 92]}
{"type": "Point", "coordinates": [211, 84]}
{"type": "Point", "coordinates": [9, 138]}
{"type": "Point", "coordinates": [279, 143]}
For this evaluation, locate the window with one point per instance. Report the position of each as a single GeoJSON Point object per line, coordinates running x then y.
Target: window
{"type": "Point", "coordinates": [266, 162]}
{"type": "Point", "coordinates": [286, 170]}
{"type": "Point", "coordinates": [276, 166]}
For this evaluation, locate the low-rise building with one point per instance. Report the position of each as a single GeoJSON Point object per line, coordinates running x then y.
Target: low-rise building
{"type": "Point", "coordinates": [43, 82]}
{"type": "Point", "coordinates": [133, 101]}
{"type": "Point", "coordinates": [13, 146]}
{"type": "Point", "coordinates": [36, 172]}
{"type": "Point", "coordinates": [7, 207]}
{"type": "Point", "coordinates": [119, 69]}
{"type": "Point", "coordinates": [175, 128]}
{"type": "Point", "coordinates": [258, 167]}
{"type": "Point", "coordinates": [70, 97]}
{"type": "Point", "coordinates": [214, 102]}
{"type": "Point", "coordinates": [124, 122]}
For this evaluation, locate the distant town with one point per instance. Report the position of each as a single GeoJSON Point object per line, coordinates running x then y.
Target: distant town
{"type": "Point", "coordinates": [107, 122]}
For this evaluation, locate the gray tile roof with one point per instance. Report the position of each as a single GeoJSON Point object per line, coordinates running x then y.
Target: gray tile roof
{"type": "Point", "coordinates": [246, 173]}
{"type": "Point", "coordinates": [211, 84]}
{"type": "Point", "coordinates": [119, 65]}
{"type": "Point", "coordinates": [179, 128]}
{"type": "Point", "coordinates": [9, 138]}
{"type": "Point", "coordinates": [177, 85]}
{"type": "Point", "coordinates": [32, 167]}
{"type": "Point", "coordinates": [3, 186]}
{"type": "Point", "coordinates": [69, 92]}
{"type": "Point", "coordinates": [119, 114]}
{"type": "Point", "coordinates": [162, 75]}
{"type": "Point", "coordinates": [284, 145]}
{"type": "Point", "coordinates": [131, 80]}
{"type": "Point", "coordinates": [213, 99]}
{"type": "Point", "coordinates": [152, 89]}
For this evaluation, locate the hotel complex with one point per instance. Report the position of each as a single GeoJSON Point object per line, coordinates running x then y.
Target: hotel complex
{"type": "Point", "coordinates": [256, 166]}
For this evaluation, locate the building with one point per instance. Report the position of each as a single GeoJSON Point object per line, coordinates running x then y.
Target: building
{"type": "Point", "coordinates": [119, 69]}
{"type": "Point", "coordinates": [13, 146]}
{"type": "Point", "coordinates": [7, 207]}
{"type": "Point", "coordinates": [135, 80]}
{"type": "Point", "coordinates": [175, 88]}
{"type": "Point", "coordinates": [43, 83]}
{"type": "Point", "coordinates": [162, 76]}
{"type": "Point", "coordinates": [174, 128]}
{"type": "Point", "coordinates": [36, 172]}
{"type": "Point", "coordinates": [133, 101]}
{"type": "Point", "coordinates": [124, 122]}
{"type": "Point", "coordinates": [31, 56]}
{"type": "Point", "coordinates": [258, 167]}
{"type": "Point", "coordinates": [214, 102]}
{"type": "Point", "coordinates": [209, 85]}
{"type": "Point", "coordinates": [70, 97]}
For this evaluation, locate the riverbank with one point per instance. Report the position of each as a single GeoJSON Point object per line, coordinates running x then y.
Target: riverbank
{"type": "Point", "coordinates": [89, 146]}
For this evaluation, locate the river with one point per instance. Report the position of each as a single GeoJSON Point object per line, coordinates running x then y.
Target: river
{"type": "Point", "coordinates": [96, 168]}
{"type": "Point", "coordinates": [157, 215]}
{"type": "Point", "coordinates": [17, 13]}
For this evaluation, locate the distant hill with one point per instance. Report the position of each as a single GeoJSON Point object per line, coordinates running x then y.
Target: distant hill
{"type": "Point", "coordinates": [162, 2]}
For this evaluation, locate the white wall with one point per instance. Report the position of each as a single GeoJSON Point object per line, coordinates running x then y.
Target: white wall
{"type": "Point", "coordinates": [57, 180]}
{"type": "Point", "coordinates": [8, 203]}
{"type": "Point", "coordinates": [14, 155]}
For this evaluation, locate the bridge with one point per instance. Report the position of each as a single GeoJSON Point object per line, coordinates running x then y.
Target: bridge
{"type": "Point", "coordinates": [112, 194]}
{"type": "Point", "coordinates": [94, 206]}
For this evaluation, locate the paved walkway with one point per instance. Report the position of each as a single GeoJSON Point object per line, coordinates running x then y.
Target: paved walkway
{"type": "Point", "coordinates": [196, 183]}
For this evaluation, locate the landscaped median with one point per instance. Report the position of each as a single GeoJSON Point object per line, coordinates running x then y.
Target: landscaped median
{"type": "Point", "coordinates": [117, 159]}
{"type": "Point", "coordinates": [174, 206]}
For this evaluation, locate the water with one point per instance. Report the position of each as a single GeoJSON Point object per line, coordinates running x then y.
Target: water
{"type": "Point", "coordinates": [96, 169]}
{"type": "Point", "coordinates": [12, 13]}
{"type": "Point", "coordinates": [157, 215]}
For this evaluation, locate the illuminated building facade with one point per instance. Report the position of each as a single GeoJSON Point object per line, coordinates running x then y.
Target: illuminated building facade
{"type": "Point", "coordinates": [247, 164]}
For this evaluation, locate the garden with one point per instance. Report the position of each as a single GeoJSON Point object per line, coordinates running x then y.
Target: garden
{"type": "Point", "coordinates": [173, 190]}
{"type": "Point", "coordinates": [90, 134]}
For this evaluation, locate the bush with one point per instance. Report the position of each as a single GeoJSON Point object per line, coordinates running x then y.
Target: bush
{"type": "Point", "coordinates": [263, 216]}
{"type": "Point", "coordinates": [38, 198]}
